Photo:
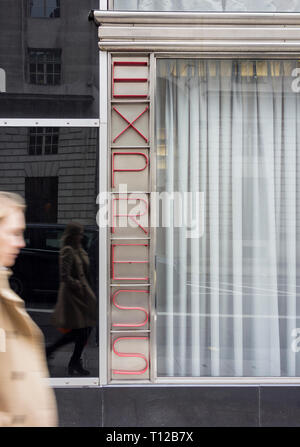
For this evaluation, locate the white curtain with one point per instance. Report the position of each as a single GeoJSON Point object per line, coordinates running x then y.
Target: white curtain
{"type": "Point", "coordinates": [209, 5]}
{"type": "Point", "coordinates": [228, 301]}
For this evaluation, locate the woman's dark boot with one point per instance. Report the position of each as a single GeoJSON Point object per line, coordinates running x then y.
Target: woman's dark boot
{"type": "Point", "coordinates": [49, 352]}
{"type": "Point", "coordinates": [76, 367]}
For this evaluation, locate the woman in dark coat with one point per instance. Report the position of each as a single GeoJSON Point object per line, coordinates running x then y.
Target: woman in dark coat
{"type": "Point", "coordinates": [76, 309]}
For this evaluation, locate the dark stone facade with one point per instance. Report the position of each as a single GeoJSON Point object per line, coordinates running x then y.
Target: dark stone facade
{"type": "Point", "coordinates": [179, 406]}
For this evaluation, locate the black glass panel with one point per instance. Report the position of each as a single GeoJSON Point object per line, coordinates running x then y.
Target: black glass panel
{"type": "Point", "coordinates": [50, 57]}
{"type": "Point", "coordinates": [55, 170]}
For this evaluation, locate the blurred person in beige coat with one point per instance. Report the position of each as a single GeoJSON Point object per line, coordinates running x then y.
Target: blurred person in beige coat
{"type": "Point", "coordinates": [26, 399]}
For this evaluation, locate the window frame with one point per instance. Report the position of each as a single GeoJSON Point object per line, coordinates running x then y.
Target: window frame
{"type": "Point", "coordinates": [223, 46]}
{"type": "Point", "coordinates": [221, 380]}
{"type": "Point", "coordinates": [100, 379]}
{"type": "Point", "coordinates": [52, 54]}
{"type": "Point", "coordinates": [44, 135]}
{"type": "Point", "coordinates": [63, 382]}
{"type": "Point", "coordinates": [44, 16]}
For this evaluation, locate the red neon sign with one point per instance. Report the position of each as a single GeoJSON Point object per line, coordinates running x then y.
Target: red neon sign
{"type": "Point", "coordinates": [127, 170]}
{"type": "Point", "coordinates": [116, 80]}
{"type": "Point", "coordinates": [130, 308]}
{"type": "Point", "coordinates": [131, 216]}
{"type": "Point", "coordinates": [130, 124]}
{"type": "Point", "coordinates": [113, 262]}
{"type": "Point", "coordinates": [125, 354]}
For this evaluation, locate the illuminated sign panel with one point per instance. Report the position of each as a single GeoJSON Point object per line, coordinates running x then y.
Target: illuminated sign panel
{"type": "Point", "coordinates": [130, 215]}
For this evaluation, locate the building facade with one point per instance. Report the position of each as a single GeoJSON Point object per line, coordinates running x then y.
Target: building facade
{"type": "Point", "coordinates": [186, 163]}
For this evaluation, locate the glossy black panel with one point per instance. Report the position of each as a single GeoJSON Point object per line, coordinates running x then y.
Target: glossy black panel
{"type": "Point", "coordinates": [56, 171]}
{"type": "Point", "coordinates": [48, 59]}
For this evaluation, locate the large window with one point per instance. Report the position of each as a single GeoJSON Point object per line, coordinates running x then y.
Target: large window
{"type": "Point", "coordinates": [58, 190]}
{"type": "Point", "coordinates": [44, 8]}
{"type": "Point", "coordinates": [228, 295]}
{"type": "Point", "coordinates": [43, 140]}
{"type": "Point", "coordinates": [49, 75]}
{"type": "Point", "coordinates": [209, 5]}
{"type": "Point", "coordinates": [41, 195]}
{"type": "Point", "coordinates": [44, 66]}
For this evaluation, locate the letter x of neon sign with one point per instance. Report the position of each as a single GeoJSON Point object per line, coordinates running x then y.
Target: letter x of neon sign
{"type": "Point", "coordinates": [130, 124]}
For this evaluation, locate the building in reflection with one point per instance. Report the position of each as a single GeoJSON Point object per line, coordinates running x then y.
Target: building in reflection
{"type": "Point", "coordinates": [50, 69]}
{"type": "Point", "coordinates": [50, 63]}
{"type": "Point", "coordinates": [54, 168]}
{"type": "Point", "coordinates": [49, 142]}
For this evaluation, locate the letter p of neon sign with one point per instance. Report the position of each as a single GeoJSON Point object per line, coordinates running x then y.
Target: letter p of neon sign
{"type": "Point", "coordinates": [141, 154]}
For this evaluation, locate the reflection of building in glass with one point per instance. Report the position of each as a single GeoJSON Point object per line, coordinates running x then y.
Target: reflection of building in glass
{"type": "Point", "coordinates": [58, 177]}
{"type": "Point", "coordinates": [44, 8]}
{"type": "Point", "coordinates": [51, 62]}
{"type": "Point", "coordinates": [44, 66]}
{"type": "Point", "coordinates": [43, 140]}
{"type": "Point", "coordinates": [51, 71]}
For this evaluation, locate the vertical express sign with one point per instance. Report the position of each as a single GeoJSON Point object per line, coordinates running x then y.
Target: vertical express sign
{"type": "Point", "coordinates": [130, 216]}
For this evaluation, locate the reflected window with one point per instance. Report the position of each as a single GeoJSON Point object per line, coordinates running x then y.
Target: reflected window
{"type": "Point", "coordinates": [44, 8]}
{"type": "Point", "coordinates": [41, 195]}
{"type": "Point", "coordinates": [43, 140]}
{"type": "Point", "coordinates": [44, 66]}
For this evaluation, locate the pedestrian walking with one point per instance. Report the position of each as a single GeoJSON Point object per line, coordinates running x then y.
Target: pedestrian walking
{"type": "Point", "coordinates": [25, 398]}
{"type": "Point", "coordinates": [75, 313]}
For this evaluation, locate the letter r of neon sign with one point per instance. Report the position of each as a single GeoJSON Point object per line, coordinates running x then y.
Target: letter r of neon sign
{"type": "Point", "coordinates": [130, 216]}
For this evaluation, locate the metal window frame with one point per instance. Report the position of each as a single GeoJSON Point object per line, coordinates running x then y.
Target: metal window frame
{"type": "Point", "coordinates": [253, 49]}
{"type": "Point", "coordinates": [101, 124]}
{"type": "Point", "coordinates": [103, 231]}
{"type": "Point", "coordinates": [63, 382]}
{"type": "Point", "coordinates": [43, 135]}
{"type": "Point", "coordinates": [44, 16]}
{"type": "Point", "coordinates": [226, 380]}
{"type": "Point", "coordinates": [105, 4]}
{"type": "Point", "coordinates": [51, 122]}
{"type": "Point", "coordinates": [44, 63]}
{"type": "Point", "coordinates": [194, 17]}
